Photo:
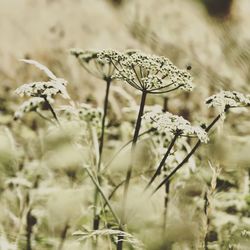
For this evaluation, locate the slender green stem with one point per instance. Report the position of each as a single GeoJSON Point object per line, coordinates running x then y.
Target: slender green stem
{"type": "Point", "coordinates": [96, 219]}
{"type": "Point", "coordinates": [185, 160]}
{"type": "Point", "coordinates": [130, 167]}
{"type": "Point", "coordinates": [158, 170]}
{"type": "Point", "coordinates": [104, 197]}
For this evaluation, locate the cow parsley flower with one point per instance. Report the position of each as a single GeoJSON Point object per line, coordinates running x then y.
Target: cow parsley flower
{"type": "Point", "coordinates": [149, 73]}
{"type": "Point", "coordinates": [30, 105]}
{"type": "Point", "coordinates": [39, 91]}
{"type": "Point", "coordinates": [83, 112]}
{"type": "Point", "coordinates": [47, 89]}
{"type": "Point", "coordinates": [173, 124]}
{"type": "Point", "coordinates": [90, 62]}
{"type": "Point", "coordinates": [228, 99]}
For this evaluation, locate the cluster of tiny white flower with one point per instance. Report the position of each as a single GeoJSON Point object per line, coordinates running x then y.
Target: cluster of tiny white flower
{"type": "Point", "coordinates": [90, 62]}
{"type": "Point", "coordinates": [153, 74]}
{"type": "Point", "coordinates": [169, 123]}
{"type": "Point", "coordinates": [83, 112]}
{"type": "Point", "coordinates": [46, 90]}
{"type": "Point", "coordinates": [40, 92]}
{"type": "Point", "coordinates": [227, 99]}
{"type": "Point", "coordinates": [30, 105]}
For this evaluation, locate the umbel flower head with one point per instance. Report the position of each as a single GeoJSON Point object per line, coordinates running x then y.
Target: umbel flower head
{"type": "Point", "coordinates": [174, 124]}
{"type": "Point", "coordinates": [149, 73]}
{"type": "Point", "coordinates": [84, 112]}
{"type": "Point", "coordinates": [228, 99]}
{"type": "Point", "coordinates": [44, 90]}
{"type": "Point", "coordinates": [89, 61]}
{"type": "Point", "coordinates": [33, 104]}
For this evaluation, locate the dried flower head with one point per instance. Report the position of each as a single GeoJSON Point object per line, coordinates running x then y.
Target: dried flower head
{"type": "Point", "coordinates": [153, 74]}
{"type": "Point", "coordinates": [228, 99]}
{"type": "Point", "coordinates": [173, 124]}
{"type": "Point", "coordinates": [90, 62]}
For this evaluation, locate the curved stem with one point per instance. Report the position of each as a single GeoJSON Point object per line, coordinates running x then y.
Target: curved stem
{"type": "Point", "coordinates": [185, 160]}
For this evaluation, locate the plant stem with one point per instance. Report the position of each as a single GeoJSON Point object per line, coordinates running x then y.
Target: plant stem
{"type": "Point", "coordinates": [96, 219]}
{"type": "Point", "coordinates": [185, 160]}
{"type": "Point", "coordinates": [104, 197]}
{"type": "Point", "coordinates": [158, 170]}
{"type": "Point", "coordinates": [30, 222]}
{"type": "Point", "coordinates": [105, 109]}
{"type": "Point", "coordinates": [52, 110]}
{"type": "Point", "coordinates": [166, 199]}
{"type": "Point", "coordinates": [63, 237]}
{"type": "Point", "coordinates": [130, 167]}
{"type": "Point", "coordinates": [206, 206]}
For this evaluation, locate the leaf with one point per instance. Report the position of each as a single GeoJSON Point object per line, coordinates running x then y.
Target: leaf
{"type": "Point", "coordinates": [41, 67]}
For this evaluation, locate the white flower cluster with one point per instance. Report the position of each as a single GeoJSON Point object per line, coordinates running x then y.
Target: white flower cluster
{"type": "Point", "coordinates": [227, 99]}
{"type": "Point", "coordinates": [84, 112]}
{"type": "Point", "coordinates": [84, 55]}
{"type": "Point", "coordinates": [30, 105]}
{"type": "Point", "coordinates": [153, 74]}
{"type": "Point", "coordinates": [90, 62]}
{"type": "Point", "coordinates": [169, 123]}
{"type": "Point", "coordinates": [43, 89]}
{"type": "Point", "coordinates": [88, 113]}
{"type": "Point", "coordinates": [46, 90]}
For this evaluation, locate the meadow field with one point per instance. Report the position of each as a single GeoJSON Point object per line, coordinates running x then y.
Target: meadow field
{"type": "Point", "coordinates": [124, 124]}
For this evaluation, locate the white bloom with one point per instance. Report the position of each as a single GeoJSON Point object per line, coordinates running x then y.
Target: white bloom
{"type": "Point", "coordinates": [169, 123]}
{"type": "Point", "coordinates": [153, 74]}
{"type": "Point", "coordinates": [227, 99]}
{"type": "Point", "coordinates": [84, 112]}
{"type": "Point", "coordinates": [44, 89]}
{"type": "Point", "coordinates": [31, 105]}
{"type": "Point", "coordinates": [90, 61]}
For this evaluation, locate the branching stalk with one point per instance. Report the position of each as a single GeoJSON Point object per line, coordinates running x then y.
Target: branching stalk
{"type": "Point", "coordinates": [158, 170]}
{"type": "Point", "coordinates": [185, 160]}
